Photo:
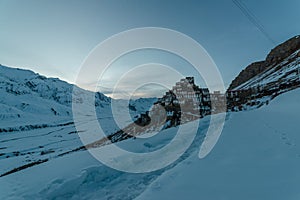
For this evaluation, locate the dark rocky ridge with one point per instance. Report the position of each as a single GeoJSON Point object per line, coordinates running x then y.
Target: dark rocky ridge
{"type": "Point", "coordinates": [274, 57]}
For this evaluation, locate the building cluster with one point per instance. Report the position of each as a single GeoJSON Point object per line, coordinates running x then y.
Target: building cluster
{"type": "Point", "coordinates": [218, 102]}
{"type": "Point", "coordinates": [187, 101]}
{"type": "Point", "coordinates": [238, 99]}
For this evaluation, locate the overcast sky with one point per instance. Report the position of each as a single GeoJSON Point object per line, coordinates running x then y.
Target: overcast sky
{"type": "Point", "coordinates": [54, 37]}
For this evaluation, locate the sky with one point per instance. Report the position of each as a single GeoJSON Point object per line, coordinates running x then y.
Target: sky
{"type": "Point", "coordinates": [54, 37]}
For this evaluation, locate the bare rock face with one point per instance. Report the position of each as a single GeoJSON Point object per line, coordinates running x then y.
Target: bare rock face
{"type": "Point", "coordinates": [283, 50]}
{"type": "Point", "coordinates": [274, 57]}
{"type": "Point", "coordinates": [250, 71]}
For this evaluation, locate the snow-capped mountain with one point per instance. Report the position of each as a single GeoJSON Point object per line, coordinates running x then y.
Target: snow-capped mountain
{"type": "Point", "coordinates": [28, 98]}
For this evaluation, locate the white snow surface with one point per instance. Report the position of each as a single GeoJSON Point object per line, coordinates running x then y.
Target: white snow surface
{"type": "Point", "coordinates": [256, 157]}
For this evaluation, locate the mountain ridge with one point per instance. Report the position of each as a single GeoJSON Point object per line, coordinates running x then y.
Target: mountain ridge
{"type": "Point", "coordinates": [276, 55]}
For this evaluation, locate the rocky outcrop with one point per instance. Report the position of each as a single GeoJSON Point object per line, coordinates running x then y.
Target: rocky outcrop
{"type": "Point", "coordinates": [248, 73]}
{"type": "Point", "coordinates": [276, 55]}
{"type": "Point", "coordinates": [283, 50]}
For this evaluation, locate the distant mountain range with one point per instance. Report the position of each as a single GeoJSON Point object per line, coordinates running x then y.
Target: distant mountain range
{"type": "Point", "coordinates": [29, 100]}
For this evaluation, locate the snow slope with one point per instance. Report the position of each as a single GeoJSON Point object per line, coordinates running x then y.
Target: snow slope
{"type": "Point", "coordinates": [257, 157]}
{"type": "Point", "coordinates": [36, 121]}
{"type": "Point", "coordinates": [80, 176]}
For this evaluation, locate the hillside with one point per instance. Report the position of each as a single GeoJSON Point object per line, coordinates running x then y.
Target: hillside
{"type": "Point", "coordinates": [36, 118]}
{"type": "Point", "coordinates": [256, 157]}
{"type": "Point", "coordinates": [28, 98]}
{"type": "Point", "coordinates": [284, 56]}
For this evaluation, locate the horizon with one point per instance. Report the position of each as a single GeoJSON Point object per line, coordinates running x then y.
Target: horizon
{"type": "Point", "coordinates": [132, 97]}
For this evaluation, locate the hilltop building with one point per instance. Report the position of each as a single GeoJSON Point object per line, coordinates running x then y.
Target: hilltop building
{"type": "Point", "coordinates": [188, 98]}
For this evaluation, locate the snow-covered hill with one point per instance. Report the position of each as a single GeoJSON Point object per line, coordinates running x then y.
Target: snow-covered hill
{"type": "Point", "coordinates": [28, 98]}
{"type": "Point", "coordinates": [262, 81]}
{"type": "Point", "coordinates": [257, 157]}
{"type": "Point", "coordinates": [36, 119]}
{"type": "Point", "coordinates": [282, 56]}
{"type": "Point", "coordinates": [283, 74]}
